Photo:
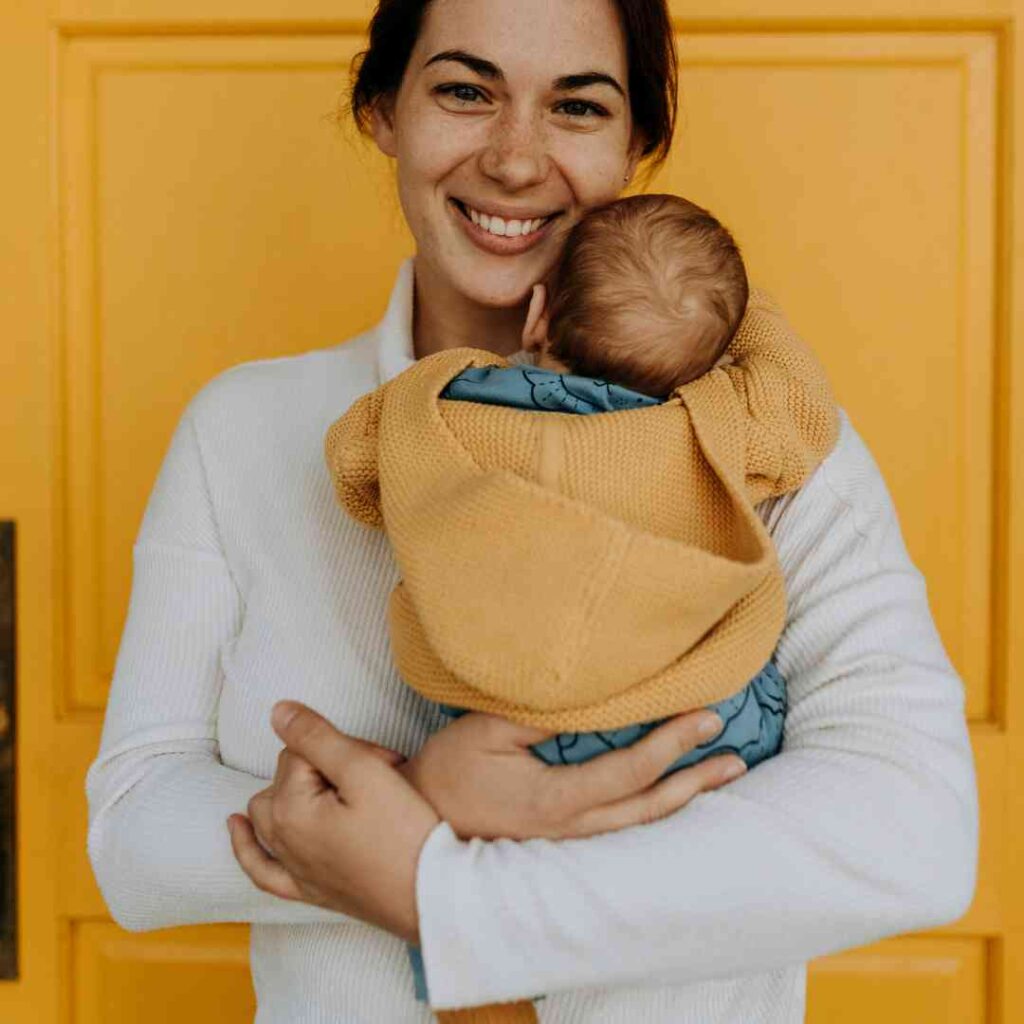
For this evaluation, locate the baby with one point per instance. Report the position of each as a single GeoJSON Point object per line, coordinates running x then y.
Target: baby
{"type": "Point", "coordinates": [604, 573]}
{"type": "Point", "coordinates": [648, 293]}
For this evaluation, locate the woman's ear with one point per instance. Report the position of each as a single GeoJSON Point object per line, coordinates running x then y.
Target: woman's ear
{"type": "Point", "coordinates": [535, 330]}
{"type": "Point", "coordinates": [633, 160]}
{"type": "Point", "coordinates": [382, 125]}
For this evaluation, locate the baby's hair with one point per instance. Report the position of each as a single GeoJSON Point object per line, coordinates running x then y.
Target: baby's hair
{"type": "Point", "coordinates": [648, 292]}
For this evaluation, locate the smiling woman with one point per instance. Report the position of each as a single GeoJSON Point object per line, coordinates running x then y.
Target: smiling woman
{"type": "Point", "coordinates": [250, 587]}
{"type": "Point", "coordinates": [519, 115]}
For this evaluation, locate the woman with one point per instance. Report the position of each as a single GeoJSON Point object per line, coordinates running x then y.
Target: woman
{"type": "Point", "coordinates": [251, 586]}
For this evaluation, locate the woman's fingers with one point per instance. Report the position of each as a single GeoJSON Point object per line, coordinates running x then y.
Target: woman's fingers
{"type": "Point", "coordinates": [385, 754]}
{"type": "Point", "coordinates": [503, 733]}
{"type": "Point", "coordinates": [631, 770]}
{"type": "Point", "coordinates": [296, 775]}
{"type": "Point", "coordinates": [266, 873]}
{"type": "Point", "coordinates": [260, 810]}
{"type": "Point", "coordinates": [662, 800]}
{"type": "Point", "coordinates": [344, 761]}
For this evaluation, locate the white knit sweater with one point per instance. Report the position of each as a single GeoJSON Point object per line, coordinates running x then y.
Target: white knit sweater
{"type": "Point", "coordinates": [251, 585]}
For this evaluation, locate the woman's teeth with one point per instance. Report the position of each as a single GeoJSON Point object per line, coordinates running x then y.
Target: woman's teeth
{"type": "Point", "coordinates": [505, 228]}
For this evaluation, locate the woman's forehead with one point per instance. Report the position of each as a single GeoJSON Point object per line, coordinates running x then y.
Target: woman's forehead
{"type": "Point", "coordinates": [536, 38]}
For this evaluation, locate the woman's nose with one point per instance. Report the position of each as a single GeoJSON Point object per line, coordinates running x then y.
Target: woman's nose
{"type": "Point", "coordinates": [516, 154]}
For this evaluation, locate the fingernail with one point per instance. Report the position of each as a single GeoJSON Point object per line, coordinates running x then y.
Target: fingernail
{"type": "Point", "coordinates": [710, 726]}
{"type": "Point", "coordinates": [282, 714]}
{"type": "Point", "coordinates": [733, 770]}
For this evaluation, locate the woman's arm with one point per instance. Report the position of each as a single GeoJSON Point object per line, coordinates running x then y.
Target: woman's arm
{"type": "Point", "coordinates": [158, 793]}
{"type": "Point", "coordinates": [864, 826]}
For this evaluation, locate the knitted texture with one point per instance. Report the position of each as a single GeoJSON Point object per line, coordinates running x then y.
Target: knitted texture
{"type": "Point", "coordinates": [635, 526]}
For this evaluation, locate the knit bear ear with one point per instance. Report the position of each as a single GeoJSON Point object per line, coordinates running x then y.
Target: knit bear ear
{"type": "Point", "coordinates": [793, 418]}
{"type": "Point", "coordinates": [352, 450]}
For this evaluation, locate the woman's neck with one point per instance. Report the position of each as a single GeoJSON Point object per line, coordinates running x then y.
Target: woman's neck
{"type": "Point", "coordinates": [444, 319]}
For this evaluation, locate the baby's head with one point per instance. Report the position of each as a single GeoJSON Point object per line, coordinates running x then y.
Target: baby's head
{"type": "Point", "coordinates": [648, 293]}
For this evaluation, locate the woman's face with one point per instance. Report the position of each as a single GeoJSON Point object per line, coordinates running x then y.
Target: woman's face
{"type": "Point", "coordinates": [509, 110]}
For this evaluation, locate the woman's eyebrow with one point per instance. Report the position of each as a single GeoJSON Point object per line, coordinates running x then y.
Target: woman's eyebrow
{"type": "Point", "coordinates": [585, 78]}
{"type": "Point", "coordinates": [487, 69]}
{"type": "Point", "coordinates": [484, 68]}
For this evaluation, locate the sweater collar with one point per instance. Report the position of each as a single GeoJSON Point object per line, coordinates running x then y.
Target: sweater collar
{"type": "Point", "coordinates": [394, 332]}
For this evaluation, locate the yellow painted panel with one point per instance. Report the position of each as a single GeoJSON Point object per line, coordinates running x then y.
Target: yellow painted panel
{"type": "Point", "coordinates": [164, 976]}
{"type": "Point", "coordinates": [137, 14]}
{"type": "Point", "coordinates": [213, 211]}
{"type": "Point", "coordinates": [78, 896]}
{"type": "Point", "coordinates": [801, 124]}
{"type": "Point", "coordinates": [751, 13]}
{"type": "Point", "coordinates": [992, 912]}
{"type": "Point", "coordinates": [161, 977]}
{"type": "Point", "coordinates": [914, 981]}
{"type": "Point", "coordinates": [857, 172]}
{"type": "Point", "coordinates": [249, 272]}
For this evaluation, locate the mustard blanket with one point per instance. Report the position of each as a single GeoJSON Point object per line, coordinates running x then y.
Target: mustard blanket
{"type": "Point", "coordinates": [587, 572]}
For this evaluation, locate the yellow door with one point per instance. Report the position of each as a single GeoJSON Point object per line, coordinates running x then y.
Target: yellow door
{"type": "Point", "coordinates": [177, 199]}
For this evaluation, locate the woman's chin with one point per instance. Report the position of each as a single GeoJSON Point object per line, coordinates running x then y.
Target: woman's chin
{"type": "Point", "coordinates": [499, 289]}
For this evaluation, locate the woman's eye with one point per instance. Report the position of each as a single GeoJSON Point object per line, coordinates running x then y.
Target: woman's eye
{"type": "Point", "coordinates": [460, 93]}
{"type": "Point", "coordinates": [582, 108]}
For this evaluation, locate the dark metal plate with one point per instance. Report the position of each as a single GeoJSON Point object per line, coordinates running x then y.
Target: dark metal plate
{"type": "Point", "coordinates": [8, 819]}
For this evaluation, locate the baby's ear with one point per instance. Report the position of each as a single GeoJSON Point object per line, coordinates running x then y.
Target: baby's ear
{"type": "Point", "coordinates": [535, 330]}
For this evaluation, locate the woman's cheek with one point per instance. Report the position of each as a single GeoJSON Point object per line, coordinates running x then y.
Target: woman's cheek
{"type": "Point", "coordinates": [422, 168]}
{"type": "Point", "coordinates": [594, 173]}
{"type": "Point", "coordinates": [436, 141]}
{"type": "Point", "coordinates": [424, 160]}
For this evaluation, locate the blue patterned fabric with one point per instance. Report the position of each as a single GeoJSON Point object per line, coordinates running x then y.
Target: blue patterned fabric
{"type": "Point", "coordinates": [529, 387]}
{"type": "Point", "coordinates": [753, 718]}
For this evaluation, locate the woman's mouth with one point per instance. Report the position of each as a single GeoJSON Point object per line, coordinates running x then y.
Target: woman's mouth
{"type": "Point", "coordinates": [503, 236]}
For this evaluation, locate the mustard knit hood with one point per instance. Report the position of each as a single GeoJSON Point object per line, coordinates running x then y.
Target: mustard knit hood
{"type": "Point", "coordinates": [587, 572]}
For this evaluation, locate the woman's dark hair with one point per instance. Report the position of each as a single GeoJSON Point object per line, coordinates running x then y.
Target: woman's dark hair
{"type": "Point", "coordinates": [378, 71]}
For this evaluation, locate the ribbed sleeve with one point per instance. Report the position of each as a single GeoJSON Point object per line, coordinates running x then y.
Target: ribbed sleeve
{"type": "Point", "coordinates": [158, 794]}
{"type": "Point", "coordinates": [864, 826]}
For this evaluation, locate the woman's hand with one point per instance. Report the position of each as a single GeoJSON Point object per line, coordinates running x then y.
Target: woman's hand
{"type": "Point", "coordinates": [480, 776]}
{"type": "Point", "coordinates": [338, 826]}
